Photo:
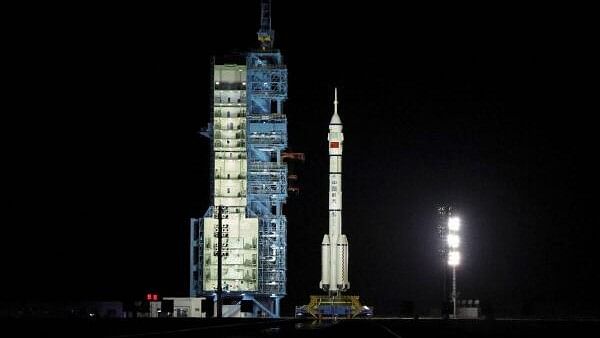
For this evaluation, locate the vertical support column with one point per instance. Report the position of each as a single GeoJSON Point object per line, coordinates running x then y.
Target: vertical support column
{"type": "Point", "coordinates": [192, 265]}
{"type": "Point", "coordinates": [454, 291]}
{"type": "Point", "coordinates": [220, 265]}
{"type": "Point", "coordinates": [277, 299]}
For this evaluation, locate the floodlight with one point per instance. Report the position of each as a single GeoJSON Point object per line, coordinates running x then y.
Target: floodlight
{"type": "Point", "coordinates": [453, 258]}
{"type": "Point", "coordinates": [453, 223]}
{"type": "Point", "coordinates": [453, 241]}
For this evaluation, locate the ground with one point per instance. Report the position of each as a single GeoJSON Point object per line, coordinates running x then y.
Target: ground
{"type": "Point", "coordinates": [229, 327]}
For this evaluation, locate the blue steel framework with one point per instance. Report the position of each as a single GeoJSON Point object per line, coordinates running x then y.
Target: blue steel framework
{"type": "Point", "coordinates": [267, 174]}
{"type": "Point", "coordinates": [266, 138]}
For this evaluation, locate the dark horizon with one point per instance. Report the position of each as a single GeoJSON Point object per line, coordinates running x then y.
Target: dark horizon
{"type": "Point", "coordinates": [479, 109]}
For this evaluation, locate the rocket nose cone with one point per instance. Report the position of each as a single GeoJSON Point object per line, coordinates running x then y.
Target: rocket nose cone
{"type": "Point", "coordinates": [335, 119]}
{"type": "Point", "coordinates": [325, 239]}
{"type": "Point", "coordinates": [344, 239]}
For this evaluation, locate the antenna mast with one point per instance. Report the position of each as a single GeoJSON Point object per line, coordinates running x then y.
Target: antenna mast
{"type": "Point", "coordinates": [265, 35]}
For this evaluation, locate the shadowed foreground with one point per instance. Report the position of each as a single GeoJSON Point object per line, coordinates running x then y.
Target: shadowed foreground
{"type": "Point", "coordinates": [228, 327]}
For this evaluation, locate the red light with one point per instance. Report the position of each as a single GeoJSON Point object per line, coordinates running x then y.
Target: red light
{"type": "Point", "coordinates": [334, 145]}
{"type": "Point", "coordinates": [155, 297]}
{"type": "Point", "coordinates": [149, 296]}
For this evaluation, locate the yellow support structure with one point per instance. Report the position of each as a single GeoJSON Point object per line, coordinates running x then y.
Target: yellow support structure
{"type": "Point", "coordinates": [319, 302]}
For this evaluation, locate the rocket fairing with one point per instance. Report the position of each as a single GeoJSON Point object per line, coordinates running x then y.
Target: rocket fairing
{"type": "Point", "coordinates": [334, 247]}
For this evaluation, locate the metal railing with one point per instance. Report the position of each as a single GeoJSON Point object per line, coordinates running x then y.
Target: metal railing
{"type": "Point", "coordinates": [266, 166]}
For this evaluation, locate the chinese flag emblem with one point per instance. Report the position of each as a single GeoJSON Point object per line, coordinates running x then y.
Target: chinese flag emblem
{"type": "Point", "coordinates": [334, 145]}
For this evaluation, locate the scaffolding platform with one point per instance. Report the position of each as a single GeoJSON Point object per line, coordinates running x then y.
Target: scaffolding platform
{"type": "Point", "coordinates": [330, 307]}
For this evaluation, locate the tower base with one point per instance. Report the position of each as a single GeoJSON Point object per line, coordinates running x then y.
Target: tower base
{"type": "Point", "coordinates": [331, 307]}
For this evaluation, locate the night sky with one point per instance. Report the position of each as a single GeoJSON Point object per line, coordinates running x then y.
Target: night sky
{"type": "Point", "coordinates": [482, 108]}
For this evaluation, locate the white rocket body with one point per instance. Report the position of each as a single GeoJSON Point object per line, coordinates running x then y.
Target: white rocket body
{"type": "Point", "coordinates": [334, 248]}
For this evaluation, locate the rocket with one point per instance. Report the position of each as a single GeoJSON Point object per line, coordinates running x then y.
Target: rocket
{"type": "Point", "coordinates": [334, 248]}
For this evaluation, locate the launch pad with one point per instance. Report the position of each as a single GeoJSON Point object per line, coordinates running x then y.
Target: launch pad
{"type": "Point", "coordinates": [334, 306]}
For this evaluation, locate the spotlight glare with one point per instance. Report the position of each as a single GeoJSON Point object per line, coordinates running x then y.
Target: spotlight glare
{"type": "Point", "coordinates": [453, 258]}
{"type": "Point", "coordinates": [454, 223]}
{"type": "Point", "coordinates": [453, 241]}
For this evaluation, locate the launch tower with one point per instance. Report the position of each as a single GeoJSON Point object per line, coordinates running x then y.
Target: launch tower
{"type": "Point", "coordinates": [248, 133]}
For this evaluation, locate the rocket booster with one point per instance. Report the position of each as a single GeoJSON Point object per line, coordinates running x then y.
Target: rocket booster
{"type": "Point", "coordinates": [334, 247]}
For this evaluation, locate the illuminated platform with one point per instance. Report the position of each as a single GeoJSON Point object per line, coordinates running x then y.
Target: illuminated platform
{"type": "Point", "coordinates": [342, 306]}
